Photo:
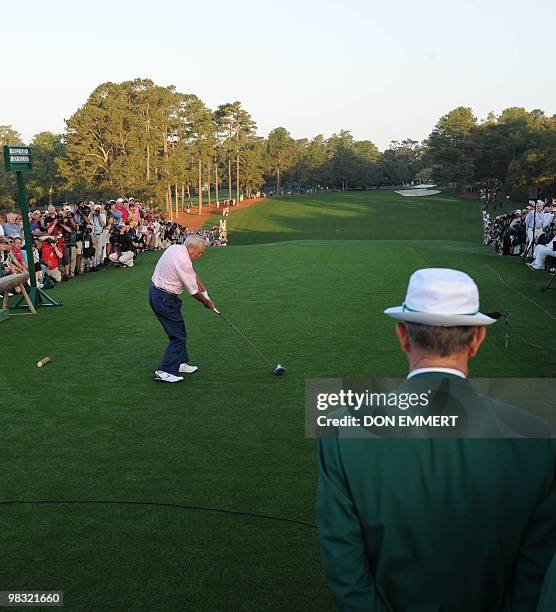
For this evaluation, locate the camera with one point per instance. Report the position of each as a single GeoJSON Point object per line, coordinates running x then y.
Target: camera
{"type": "Point", "coordinates": [115, 236]}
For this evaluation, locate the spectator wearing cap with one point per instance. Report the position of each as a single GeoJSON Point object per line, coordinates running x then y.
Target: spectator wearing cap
{"type": "Point", "coordinates": [439, 523]}
{"type": "Point", "coordinates": [120, 205]}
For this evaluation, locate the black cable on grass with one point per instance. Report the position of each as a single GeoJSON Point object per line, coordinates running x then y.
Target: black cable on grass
{"type": "Point", "coordinates": [91, 502]}
{"type": "Point", "coordinates": [520, 292]}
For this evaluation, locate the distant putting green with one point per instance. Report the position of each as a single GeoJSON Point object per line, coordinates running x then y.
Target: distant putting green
{"type": "Point", "coordinates": [307, 279]}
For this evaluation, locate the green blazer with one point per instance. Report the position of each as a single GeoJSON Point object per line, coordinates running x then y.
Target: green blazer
{"type": "Point", "coordinates": [547, 602]}
{"type": "Point", "coordinates": [439, 524]}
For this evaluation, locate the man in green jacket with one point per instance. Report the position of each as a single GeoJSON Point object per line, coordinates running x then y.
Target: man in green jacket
{"type": "Point", "coordinates": [416, 521]}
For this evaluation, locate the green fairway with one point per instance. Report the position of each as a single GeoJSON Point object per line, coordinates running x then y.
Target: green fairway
{"type": "Point", "coordinates": [307, 279]}
{"type": "Point", "coordinates": [357, 216]}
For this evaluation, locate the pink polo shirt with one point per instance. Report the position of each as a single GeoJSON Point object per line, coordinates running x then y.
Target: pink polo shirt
{"type": "Point", "coordinates": [174, 271]}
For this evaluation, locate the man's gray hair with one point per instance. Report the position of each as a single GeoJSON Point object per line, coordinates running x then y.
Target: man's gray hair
{"type": "Point", "coordinates": [195, 241]}
{"type": "Point", "coordinates": [438, 340]}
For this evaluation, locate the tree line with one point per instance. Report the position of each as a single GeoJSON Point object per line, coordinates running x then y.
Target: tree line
{"type": "Point", "coordinates": [153, 142]}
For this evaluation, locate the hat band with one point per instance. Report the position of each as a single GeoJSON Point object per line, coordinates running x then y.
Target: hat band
{"type": "Point", "coordinates": [405, 307]}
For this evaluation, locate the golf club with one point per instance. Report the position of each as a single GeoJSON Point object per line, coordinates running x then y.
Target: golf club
{"type": "Point", "coordinates": [278, 370]}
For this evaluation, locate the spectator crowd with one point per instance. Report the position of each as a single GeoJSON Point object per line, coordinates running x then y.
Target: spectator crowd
{"type": "Point", "coordinates": [515, 232]}
{"type": "Point", "coordinates": [87, 236]}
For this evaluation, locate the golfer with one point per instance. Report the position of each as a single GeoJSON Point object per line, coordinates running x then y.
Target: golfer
{"type": "Point", "coordinates": [439, 523]}
{"type": "Point", "coordinates": [174, 273]}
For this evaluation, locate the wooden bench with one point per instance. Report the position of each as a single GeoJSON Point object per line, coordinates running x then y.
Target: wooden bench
{"type": "Point", "coordinates": [11, 283]}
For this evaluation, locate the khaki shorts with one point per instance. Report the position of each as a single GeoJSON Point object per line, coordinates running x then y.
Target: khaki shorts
{"type": "Point", "coordinates": [55, 274]}
{"type": "Point", "coordinates": [79, 247]}
{"type": "Point", "coordinates": [126, 258]}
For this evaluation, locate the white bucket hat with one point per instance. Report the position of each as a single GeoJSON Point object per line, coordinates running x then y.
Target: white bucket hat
{"type": "Point", "coordinates": [442, 297]}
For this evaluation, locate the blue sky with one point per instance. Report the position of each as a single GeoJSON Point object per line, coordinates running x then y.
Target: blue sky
{"type": "Point", "coordinates": [384, 70]}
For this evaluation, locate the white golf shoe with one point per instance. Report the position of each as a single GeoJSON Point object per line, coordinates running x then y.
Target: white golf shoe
{"type": "Point", "coordinates": [185, 368]}
{"type": "Point", "coordinates": [167, 377]}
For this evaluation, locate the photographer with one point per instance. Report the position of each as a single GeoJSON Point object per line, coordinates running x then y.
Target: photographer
{"type": "Point", "coordinates": [115, 213]}
{"type": "Point", "coordinates": [69, 237]}
{"type": "Point", "coordinates": [506, 233]}
{"type": "Point", "coordinates": [41, 269]}
{"type": "Point", "coordinates": [124, 245]}
{"type": "Point", "coordinates": [36, 224]}
{"type": "Point", "coordinates": [80, 219]}
{"type": "Point", "coordinates": [50, 256]}
{"type": "Point", "coordinates": [52, 222]}
{"type": "Point", "coordinates": [139, 238]}
{"type": "Point", "coordinates": [88, 251]}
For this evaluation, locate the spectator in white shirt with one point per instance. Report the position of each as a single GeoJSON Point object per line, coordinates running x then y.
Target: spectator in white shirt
{"type": "Point", "coordinates": [11, 228]}
{"type": "Point", "coordinates": [534, 222]}
{"type": "Point", "coordinates": [547, 216]}
{"type": "Point", "coordinates": [542, 251]}
{"type": "Point", "coordinates": [97, 219]}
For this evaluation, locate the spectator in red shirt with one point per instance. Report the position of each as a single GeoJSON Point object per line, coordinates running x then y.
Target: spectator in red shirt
{"type": "Point", "coordinates": [50, 256]}
{"type": "Point", "coordinates": [120, 205]}
{"type": "Point", "coordinates": [17, 253]}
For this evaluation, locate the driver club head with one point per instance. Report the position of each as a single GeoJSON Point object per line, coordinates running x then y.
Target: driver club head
{"type": "Point", "coordinates": [279, 370]}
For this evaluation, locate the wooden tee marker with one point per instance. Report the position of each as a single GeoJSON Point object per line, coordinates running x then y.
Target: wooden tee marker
{"type": "Point", "coordinates": [10, 283]}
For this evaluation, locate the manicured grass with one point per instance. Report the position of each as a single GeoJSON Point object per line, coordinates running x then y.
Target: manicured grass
{"type": "Point", "coordinates": [375, 215]}
{"type": "Point", "coordinates": [94, 425]}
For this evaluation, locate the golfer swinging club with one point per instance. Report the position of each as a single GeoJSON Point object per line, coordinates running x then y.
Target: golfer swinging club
{"type": "Point", "coordinates": [174, 272]}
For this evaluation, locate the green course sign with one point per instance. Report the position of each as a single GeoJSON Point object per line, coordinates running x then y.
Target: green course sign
{"type": "Point", "coordinates": [17, 157]}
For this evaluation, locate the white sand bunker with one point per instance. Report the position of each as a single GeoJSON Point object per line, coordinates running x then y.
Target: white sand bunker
{"type": "Point", "coordinates": [418, 192]}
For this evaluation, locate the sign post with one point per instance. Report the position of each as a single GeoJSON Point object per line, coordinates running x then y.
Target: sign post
{"type": "Point", "coordinates": [17, 159]}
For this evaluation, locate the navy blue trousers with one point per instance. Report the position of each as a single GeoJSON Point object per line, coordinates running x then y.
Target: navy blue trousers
{"type": "Point", "coordinates": [167, 309]}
